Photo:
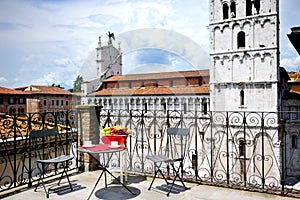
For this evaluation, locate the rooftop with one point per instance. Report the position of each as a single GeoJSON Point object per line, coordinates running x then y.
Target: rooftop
{"type": "Point", "coordinates": [37, 89]}
{"type": "Point", "coordinates": [154, 91]}
{"type": "Point", "coordinates": [162, 75]}
{"type": "Point", "coordinates": [8, 91]}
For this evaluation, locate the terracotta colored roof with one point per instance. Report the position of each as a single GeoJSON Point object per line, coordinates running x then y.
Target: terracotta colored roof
{"type": "Point", "coordinates": [155, 76]}
{"type": "Point", "coordinates": [4, 90]}
{"type": "Point", "coordinates": [34, 89]}
{"type": "Point", "coordinates": [294, 77]}
{"type": "Point", "coordinates": [204, 89]}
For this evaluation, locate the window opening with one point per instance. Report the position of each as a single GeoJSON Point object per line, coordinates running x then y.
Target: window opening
{"type": "Point", "coordinates": [242, 98]}
{"type": "Point", "coordinates": [232, 10]}
{"type": "Point", "coordinates": [184, 107]}
{"type": "Point", "coordinates": [248, 7]}
{"type": "Point", "coordinates": [11, 100]}
{"type": "Point", "coordinates": [257, 6]}
{"type": "Point", "coordinates": [241, 40]}
{"type": "Point", "coordinates": [225, 11]}
{"type": "Point", "coordinates": [164, 107]}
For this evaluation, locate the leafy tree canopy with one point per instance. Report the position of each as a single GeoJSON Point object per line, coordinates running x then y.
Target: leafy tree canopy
{"type": "Point", "coordinates": [77, 84]}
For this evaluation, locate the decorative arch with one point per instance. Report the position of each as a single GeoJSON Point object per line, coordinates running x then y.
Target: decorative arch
{"type": "Point", "coordinates": [236, 56]}
{"type": "Point", "coordinates": [217, 28]}
{"type": "Point", "coordinates": [246, 23]}
{"type": "Point", "coordinates": [224, 27]}
{"type": "Point", "coordinates": [263, 23]}
{"type": "Point", "coordinates": [234, 25]}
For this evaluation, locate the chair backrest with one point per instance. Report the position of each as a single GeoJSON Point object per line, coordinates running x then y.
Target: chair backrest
{"type": "Point", "coordinates": [177, 140]}
{"type": "Point", "coordinates": [47, 143]}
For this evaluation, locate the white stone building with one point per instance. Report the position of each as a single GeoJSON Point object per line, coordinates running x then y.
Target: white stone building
{"type": "Point", "coordinates": [109, 63]}
{"type": "Point", "coordinates": [244, 53]}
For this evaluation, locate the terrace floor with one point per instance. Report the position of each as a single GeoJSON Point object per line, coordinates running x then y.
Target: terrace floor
{"type": "Point", "coordinates": [83, 184]}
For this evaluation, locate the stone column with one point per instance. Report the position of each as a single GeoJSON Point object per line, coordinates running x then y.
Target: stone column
{"type": "Point", "coordinates": [88, 130]}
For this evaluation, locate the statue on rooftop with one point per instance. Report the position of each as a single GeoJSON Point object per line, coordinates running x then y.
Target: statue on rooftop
{"type": "Point", "coordinates": [110, 35]}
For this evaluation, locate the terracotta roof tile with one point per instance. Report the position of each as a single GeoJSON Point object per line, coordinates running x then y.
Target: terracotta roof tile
{"type": "Point", "coordinates": [204, 89]}
{"type": "Point", "coordinates": [34, 89]}
{"type": "Point", "coordinates": [155, 76]}
{"type": "Point", "coordinates": [4, 90]}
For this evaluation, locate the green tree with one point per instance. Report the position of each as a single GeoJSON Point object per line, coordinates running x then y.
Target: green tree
{"type": "Point", "coordinates": [77, 84]}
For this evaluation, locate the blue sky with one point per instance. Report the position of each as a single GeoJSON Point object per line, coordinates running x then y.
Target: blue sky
{"type": "Point", "coordinates": [52, 41]}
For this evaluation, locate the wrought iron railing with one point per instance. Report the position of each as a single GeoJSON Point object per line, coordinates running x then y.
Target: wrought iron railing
{"type": "Point", "coordinates": [17, 167]}
{"type": "Point", "coordinates": [248, 150]}
{"type": "Point", "coordinates": [234, 149]}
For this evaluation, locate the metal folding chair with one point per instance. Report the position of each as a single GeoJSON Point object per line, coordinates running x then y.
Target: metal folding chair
{"type": "Point", "coordinates": [174, 152]}
{"type": "Point", "coordinates": [48, 149]}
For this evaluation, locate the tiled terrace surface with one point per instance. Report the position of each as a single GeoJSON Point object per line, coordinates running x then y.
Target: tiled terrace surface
{"type": "Point", "coordinates": [84, 182]}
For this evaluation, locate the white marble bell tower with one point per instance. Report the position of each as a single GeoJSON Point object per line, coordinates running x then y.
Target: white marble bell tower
{"type": "Point", "coordinates": [244, 55]}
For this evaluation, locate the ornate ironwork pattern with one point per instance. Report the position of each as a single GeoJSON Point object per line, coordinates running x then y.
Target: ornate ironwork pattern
{"type": "Point", "coordinates": [17, 165]}
{"type": "Point", "coordinates": [234, 149]}
{"type": "Point", "coordinates": [225, 148]}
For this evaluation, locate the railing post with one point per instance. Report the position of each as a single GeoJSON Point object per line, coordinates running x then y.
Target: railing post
{"type": "Point", "coordinates": [88, 129]}
{"type": "Point", "coordinates": [282, 152]}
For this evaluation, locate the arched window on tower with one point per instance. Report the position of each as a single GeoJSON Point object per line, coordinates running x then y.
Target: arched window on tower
{"type": "Point", "coordinates": [225, 11]}
{"type": "Point", "coordinates": [257, 6]}
{"type": "Point", "coordinates": [232, 10]}
{"type": "Point", "coordinates": [248, 7]}
{"type": "Point", "coordinates": [242, 98]}
{"type": "Point", "coordinates": [241, 43]}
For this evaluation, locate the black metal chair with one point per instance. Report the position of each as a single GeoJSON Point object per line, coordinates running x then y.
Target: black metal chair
{"type": "Point", "coordinates": [49, 151]}
{"type": "Point", "coordinates": [174, 152]}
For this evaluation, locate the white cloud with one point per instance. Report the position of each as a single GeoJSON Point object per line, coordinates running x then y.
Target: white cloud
{"type": "Point", "coordinates": [3, 80]}
{"type": "Point", "coordinates": [47, 79]}
{"type": "Point", "coordinates": [46, 37]}
{"type": "Point", "coordinates": [291, 64]}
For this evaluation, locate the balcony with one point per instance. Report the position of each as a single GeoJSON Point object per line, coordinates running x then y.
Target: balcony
{"type": "Point", "coordinates": [241, 150]}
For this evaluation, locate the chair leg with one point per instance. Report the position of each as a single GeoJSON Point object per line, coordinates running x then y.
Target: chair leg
{"type": "Point", "coordinates": [156, 172]}
{"type": "Point", "coordinates": [62, 174]}
{"type": "Point", "coordinates": [153, 179]}
{"type": "Point", "coordinates": [43, 184]}
{"type": "Point", "coordinates": [42, 181]}
{"type": "Point", "coordinates": [174, 179]}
